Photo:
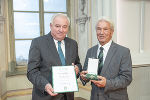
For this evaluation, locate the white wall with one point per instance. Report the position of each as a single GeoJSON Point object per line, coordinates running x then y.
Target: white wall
{"type": "Point", "coordinates": [133, 28]}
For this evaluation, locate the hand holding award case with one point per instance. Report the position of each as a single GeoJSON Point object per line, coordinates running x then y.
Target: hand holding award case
{"type": "Point", "coordinates": [92, 69]}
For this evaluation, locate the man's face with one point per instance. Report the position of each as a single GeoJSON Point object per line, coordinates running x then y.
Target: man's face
{"type": "Point", "coordinates": [59, 28]}
{"type": "Point", "coordinates": [104, 32]}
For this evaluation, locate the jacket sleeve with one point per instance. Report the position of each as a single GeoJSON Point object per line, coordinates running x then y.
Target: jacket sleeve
{"type": "Point", "coordinates": [85, 67]}
{"type": "Point", "coordinates": [124, 77]}
{"type": "Point", "coordinates": [33, 70]}
{"type": "Point", "coordinates": [77, 61]}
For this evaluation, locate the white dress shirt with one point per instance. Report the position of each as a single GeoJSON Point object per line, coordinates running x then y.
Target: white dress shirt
{"type": "Point", "coordinates": [62, 45]}
{"type": "Point", "coordinates": [105, 50]}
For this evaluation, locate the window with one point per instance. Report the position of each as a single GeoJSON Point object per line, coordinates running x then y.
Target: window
{"type": "Point", "coordinates": [29, 19]}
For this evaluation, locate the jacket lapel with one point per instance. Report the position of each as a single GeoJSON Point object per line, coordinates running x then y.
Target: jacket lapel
{"type": "Point", "coordinates": [67, 51]}
{"type": "Point", "coordinates": [53, 50]}
{"type": "Point", "coordinates": [94, 52]}
{"type": "Point", "coordinates": [109, 56]}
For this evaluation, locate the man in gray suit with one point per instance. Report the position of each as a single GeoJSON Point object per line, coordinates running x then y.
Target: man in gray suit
{"type": "Point", "coordinates": [44, 54]}
{"type": "Point", "coordinates": [114, 69]}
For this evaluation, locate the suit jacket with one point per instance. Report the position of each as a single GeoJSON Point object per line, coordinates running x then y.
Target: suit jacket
{"type": "Point", "coordinates": [117, 70]}
{"type": "Point", "coordinates": [42, 56]}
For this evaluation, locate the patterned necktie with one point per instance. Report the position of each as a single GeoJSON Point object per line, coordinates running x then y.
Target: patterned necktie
{"type": "Point", "coordinates": [61, 55]}
{"type": "Point", "coordinates": [100, 57]}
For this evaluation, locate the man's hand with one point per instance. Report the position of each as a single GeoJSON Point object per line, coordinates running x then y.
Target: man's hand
{"type": "Point", "coordinates": [101, 81]}
{"type": "Point", "coordinates": [76, 68]}
{"type": "Point", "coordinates": [83, 75]}
{"type": "Point", "coordinates": [50, 90]}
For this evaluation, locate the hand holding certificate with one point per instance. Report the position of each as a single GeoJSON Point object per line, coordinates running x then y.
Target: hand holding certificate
{"type": "Point", "coordinates": [64, 79]}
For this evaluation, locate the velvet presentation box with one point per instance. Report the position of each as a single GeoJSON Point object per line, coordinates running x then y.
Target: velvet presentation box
{"type": "Point", "coordinates": [91, 77]}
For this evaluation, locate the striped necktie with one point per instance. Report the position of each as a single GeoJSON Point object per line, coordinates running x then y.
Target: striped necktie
{"type": "Point", "coordinates": [100, 57]}
{"type": "Point", "coordinates": [61, 55]}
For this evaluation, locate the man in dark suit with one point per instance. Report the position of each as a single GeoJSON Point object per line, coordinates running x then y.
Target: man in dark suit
{"type": "Point", "coordinates": [44, 54]}
{"type": "Point", "coordinates": [114, 68]}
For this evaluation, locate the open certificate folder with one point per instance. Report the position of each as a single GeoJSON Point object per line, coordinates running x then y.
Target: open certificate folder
{"type": "Point", "coordinates": [64, 79]}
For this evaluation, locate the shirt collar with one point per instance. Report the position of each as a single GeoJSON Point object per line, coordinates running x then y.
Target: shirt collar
{"type": "Point", "coordinates": [63, 42]}
{"type": "Point", "coordinates": [106, 46]}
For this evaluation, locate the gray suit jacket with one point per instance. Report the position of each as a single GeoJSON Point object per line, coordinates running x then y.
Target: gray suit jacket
{"type": "Point", "coordinates": [42, 56]}
{"type": "Point", "coordinates": [118, 71]}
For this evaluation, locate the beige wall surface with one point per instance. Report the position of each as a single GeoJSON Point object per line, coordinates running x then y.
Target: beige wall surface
{"type": "Point", "coordinates": [3, 49]}
{"type": "Point", "coordinates": [3, 57]}
{"type": "Point", "coordinates": [3, 62]}
{"type": "Point", "coordinates": [133, 28]}
{"type": "Point", "coordinates": [18, 82]}
{"type": "Point", "coordinates": [139, 88]}
{"type": "Point", "coordinates": [146, 27]}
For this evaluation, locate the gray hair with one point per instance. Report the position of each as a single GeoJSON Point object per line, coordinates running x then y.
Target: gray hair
{"type": "Point", "coordinates": [59, 14]}
{"type": "Point", "coordinates": [107, 20]}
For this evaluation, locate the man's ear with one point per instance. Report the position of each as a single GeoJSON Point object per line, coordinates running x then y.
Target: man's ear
{"type": "Point", "coordinates": [50, 25]}
{"type": "Point", "coordinates": [112, 32]}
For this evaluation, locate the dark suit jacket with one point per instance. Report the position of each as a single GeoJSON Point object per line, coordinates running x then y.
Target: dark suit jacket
{"type": "Point", "coordinates": [42, 56]}
{"type": "Point", "coordinates": [118, 71]}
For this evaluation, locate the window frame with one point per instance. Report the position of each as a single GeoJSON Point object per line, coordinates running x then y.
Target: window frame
{"type": "Point", "coordinates": [13, 69]}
